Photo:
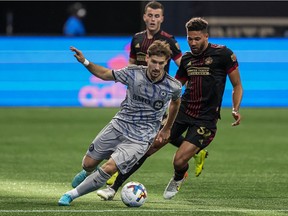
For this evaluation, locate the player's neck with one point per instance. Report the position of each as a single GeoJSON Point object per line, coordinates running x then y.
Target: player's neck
{"type": "Point", "coordinates": [150, 33]}
{"type": "Point", "coordinates": [156, 79]}
{"type": "Point", "coordinates": [203, 50]}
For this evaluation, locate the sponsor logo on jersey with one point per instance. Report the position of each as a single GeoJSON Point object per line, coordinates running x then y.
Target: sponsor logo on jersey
{"type": "Point", "coordinates": [141, 99]}
{"type": "Point", "coordinates": [194, 71]}
{"type": "Point", "coordinates": [156, 105]}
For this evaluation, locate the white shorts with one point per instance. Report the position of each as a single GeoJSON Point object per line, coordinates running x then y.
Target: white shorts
{"type": "Point", "coordinates": [111, 143]}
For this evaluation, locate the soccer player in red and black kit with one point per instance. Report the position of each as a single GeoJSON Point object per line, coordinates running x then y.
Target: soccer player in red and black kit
{"type": "Point", "coordinates": [204, 69]}
{"type": "Point", "coordinates": [153, 17]}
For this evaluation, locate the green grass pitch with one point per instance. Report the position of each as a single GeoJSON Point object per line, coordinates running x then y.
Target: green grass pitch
{"type": "Point", "coordinates": [245, 174]}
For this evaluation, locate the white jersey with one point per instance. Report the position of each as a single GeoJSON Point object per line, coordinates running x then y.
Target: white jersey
{"type": "Point", "coordinates": [145, 104]}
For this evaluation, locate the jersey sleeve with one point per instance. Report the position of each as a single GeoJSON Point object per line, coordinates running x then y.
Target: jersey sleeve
{"type": "Point", "coordinates": [181, 73]}
{"type": "Point", "coordinates": [122, 75]}
{"type": "Point", "coordinates": [230, 60]}
{"type": "Point", "coordinates": [178, 91]}
{"type": "Point", "coordinates": [132, 49]}
{"type": "Point", "coordinates": [175, 48]}
{"type": "Point", "coordinates": [127, 75]}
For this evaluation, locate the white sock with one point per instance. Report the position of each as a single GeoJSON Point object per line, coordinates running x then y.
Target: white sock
{"type": "Point", "coordinates": [73, 193]}
{"type": "Point", "coordinates": [93, 182]}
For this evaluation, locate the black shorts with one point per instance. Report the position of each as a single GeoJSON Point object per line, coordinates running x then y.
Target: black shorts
{"type": "Point", "coordinates": [199, 132]}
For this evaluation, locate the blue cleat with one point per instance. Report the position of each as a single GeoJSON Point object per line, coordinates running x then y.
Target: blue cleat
{"type": "Point", "coordinates": [65, 200]}
{"type": "Point", "coordinates": [79, 178]}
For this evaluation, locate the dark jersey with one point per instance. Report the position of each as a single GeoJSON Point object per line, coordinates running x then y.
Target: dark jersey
{"type": "Point", "coordinates": [206, 78]}
{"type": "Point", "coordinates": [140, 44]}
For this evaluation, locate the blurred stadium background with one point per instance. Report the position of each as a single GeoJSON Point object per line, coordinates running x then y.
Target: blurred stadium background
{"type": "Point", "coordinates": [37, 68]}
{"type": "Point", "coordinates": [227, 18]}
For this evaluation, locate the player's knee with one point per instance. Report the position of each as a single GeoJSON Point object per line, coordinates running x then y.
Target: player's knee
{"type": "Point", "coordinates": [88, 167]}
{"type": "Point", "coordinates": [89, 164]}
{"type": "Point", "coordinates": [179, 163]}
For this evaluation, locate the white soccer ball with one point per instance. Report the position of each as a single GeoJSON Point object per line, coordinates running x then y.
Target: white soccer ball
{"type": "Point", "coordinates": [133, 194]}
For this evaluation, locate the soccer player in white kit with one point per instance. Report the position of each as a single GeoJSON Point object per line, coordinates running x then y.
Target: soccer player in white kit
{"type": "Point", "coordinates": [127, 137]}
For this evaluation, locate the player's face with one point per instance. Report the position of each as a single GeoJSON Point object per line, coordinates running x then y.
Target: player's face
{"type": "Point", "coordinates": [198, 41]}
{"type": "Point", "coordinates": [153, 19]}
{"type": "Point", "coordinates": [156, 66]}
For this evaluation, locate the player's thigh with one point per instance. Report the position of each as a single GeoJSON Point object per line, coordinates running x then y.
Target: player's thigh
{"type": "Point", "coordinates": [128, 153]}
{"type": "Point", "coordinates": [177, 130]}
{"type": "Point", "coordinates": [105, 143]}
{"type": "Point", "coordinates": [200, 136]}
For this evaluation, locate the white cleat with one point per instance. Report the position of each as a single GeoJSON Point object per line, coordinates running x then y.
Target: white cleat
{"type": "Point", "coordinates": [172, 188]}
{"type": "Point", "coordinates": [106, 194]}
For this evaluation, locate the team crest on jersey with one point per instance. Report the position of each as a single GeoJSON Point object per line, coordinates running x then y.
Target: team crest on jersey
{"type": "Point", "coordinates": [158, 104]}
{"type": "Point", "coordinates": [233, 57]}
{"type": "Point", "coordinates": [137, 45]}
{"type": "Point", "coordinates": [208, 61]}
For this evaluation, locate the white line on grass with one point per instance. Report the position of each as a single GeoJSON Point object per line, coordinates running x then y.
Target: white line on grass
{"type": "Point", "coordinates": [147, 210]}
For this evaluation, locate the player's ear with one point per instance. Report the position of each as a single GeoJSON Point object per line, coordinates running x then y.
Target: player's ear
{"type": "Point", "coordinates": [162, 19]}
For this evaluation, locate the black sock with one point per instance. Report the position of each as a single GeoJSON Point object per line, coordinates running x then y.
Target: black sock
{"type": "Point", "coordinates": [179, 174]}
{"type": "Point", "coordinates": [121, 178]}
{"type": "Point", "coordinates": [177, 141]}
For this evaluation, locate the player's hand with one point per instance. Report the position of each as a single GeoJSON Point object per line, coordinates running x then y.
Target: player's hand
{"type": "Point", "coordinates": [237, 117]}
{"type": "Point", "coordinates": [78, 54]}
{"type": "Point", "coordinates": [163, 136]}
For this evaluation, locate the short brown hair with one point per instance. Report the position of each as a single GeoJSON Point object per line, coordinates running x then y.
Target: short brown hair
{"type": "Point", "coordinates": [160, 48]}
{"type": "Point", "coordinates": [154, 5]}
{"type": "Point", "coordinates": [197, 24]}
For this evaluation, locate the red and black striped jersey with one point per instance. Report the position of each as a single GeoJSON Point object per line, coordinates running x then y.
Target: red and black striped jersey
{"type": "Point", "coordinates": [140, 44]}
{"type": "Point", "coordinates": [206, 78]}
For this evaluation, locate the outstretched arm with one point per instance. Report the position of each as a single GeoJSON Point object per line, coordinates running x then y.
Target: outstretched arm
{"type": "Point", "coordinates": [237, 93]}
{"type": "Point", "coordinates": [97, 70]}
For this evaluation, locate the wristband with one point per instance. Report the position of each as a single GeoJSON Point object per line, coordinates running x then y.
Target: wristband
{"type": "Point", "coordinates": [86, 62]}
